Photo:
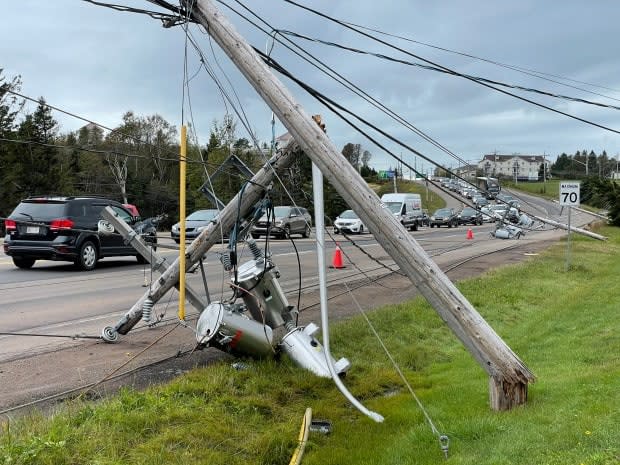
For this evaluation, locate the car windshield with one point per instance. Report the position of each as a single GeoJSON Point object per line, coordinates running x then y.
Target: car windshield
{"type": "Point", "coordinates": [202, 215]}
{"type": "Point", "coordinates": [497, 207]}
{"type": "Point", "coordinates": [394, 207]}
{"type": "Point", "coordinates": [282, 212]}
{"type": "Point", "coordinates": [348, 215]}
{"type": "Point", "coordinates": [443, 212]}
{"type": "Point", "coordinates": [468, 211]}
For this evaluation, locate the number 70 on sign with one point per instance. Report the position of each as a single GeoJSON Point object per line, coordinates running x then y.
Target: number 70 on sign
{"type": "Point", "coordinates": [569, 193]}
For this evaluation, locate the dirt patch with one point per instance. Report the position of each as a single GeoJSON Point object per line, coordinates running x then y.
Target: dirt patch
{"type": "Point", "coordinates": [150, 356]}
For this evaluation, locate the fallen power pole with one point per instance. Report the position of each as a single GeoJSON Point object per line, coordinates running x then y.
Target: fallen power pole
{"type": "Point", "coordinates": [240, 204]}
{"type": "Point", "coordinates": [508, 375]}
{"type": "Point", "coordinates": [581, 231]}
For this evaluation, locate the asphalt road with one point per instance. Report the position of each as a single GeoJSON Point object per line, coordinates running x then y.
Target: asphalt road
{"type": "Point", "coordinates": [53, 299]}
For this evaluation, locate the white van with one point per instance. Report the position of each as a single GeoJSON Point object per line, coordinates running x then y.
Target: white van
{"type": "Point", "coordinates": [406, 207]}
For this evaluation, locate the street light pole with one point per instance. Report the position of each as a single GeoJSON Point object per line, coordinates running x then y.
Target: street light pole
{"type": "Point", "coordinates": [582, 163]}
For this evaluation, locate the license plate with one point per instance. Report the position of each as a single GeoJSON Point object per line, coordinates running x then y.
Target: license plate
{"type": "Point", "coordinates": [32, 230]}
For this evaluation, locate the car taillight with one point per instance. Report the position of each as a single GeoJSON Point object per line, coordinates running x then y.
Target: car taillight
{"type": "Point", "coordinates": [61, 223]}
{"type": "Point", "coordinates": [10, 225]}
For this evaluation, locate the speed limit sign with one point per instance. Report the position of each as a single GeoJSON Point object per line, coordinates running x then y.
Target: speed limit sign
{"type": "Point", "coordinates": [569, 192]}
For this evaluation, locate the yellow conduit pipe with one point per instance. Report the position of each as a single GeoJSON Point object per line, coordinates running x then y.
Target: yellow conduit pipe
{"type": "Point", "coordinates": [303, 438]}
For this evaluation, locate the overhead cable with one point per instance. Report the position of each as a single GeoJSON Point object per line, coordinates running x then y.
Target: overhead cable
{"type": "Point", "coordinates": [520, 69]}
{"type": "Point", "coordinates": [445, 71]}
{"type": "Point", "coordinates": [451, 71]}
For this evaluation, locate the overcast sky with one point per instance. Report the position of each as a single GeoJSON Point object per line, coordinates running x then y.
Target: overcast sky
{"type": "Point", "coordinates": [100, 63]}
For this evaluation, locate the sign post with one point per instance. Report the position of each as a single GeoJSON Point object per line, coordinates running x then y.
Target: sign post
{"type": "Point", "coordinates": [569, 196]}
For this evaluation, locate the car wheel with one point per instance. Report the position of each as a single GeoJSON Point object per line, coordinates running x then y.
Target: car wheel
{"type": "Point", "coordinates": [361, 231]}
{"type": "Point", "coordinates": [178, 241]}
{"type": "Point", "coordinates": [255, 236]}
{"type": "Point", "coordinates": [432, 225]}
{"type": "Point", "coordinates": [87, 257]}
{"type": "Point", "coordinates": [287, 231]}
{"type": "Point", "coordinates": [306, 232]}
{"type": "Point", "coordinates": [23, 262]}
{"type": "Point", "coordinates": [449, 225]}
{"type": "Point", "coordinates": [336, 231]}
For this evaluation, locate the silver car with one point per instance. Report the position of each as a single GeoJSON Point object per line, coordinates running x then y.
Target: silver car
{"type": "Point", "coordinates": [287, 221]}
{"type": "Point", "coordinates": [194, 224]}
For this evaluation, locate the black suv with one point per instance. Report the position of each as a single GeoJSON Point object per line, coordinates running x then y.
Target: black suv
{"type": "Point", "coordinates": [470, 216]}
{"type": "Point", "coordinates": [69, 229]}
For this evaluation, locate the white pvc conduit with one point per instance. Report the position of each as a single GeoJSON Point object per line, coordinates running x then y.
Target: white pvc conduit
{"type": "Point", "coordinates": [317, 187]}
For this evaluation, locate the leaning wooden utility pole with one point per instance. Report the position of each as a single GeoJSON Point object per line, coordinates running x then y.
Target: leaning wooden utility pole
{"type": "Point", "coordinates": [509, 377]}
{"type": "Point", "coordinates": [239, 205]}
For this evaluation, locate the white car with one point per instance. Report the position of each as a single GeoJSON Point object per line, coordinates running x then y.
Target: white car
{"type": "Point", "coordinates": [348, 221]}
{"type": "Point", "coordinates": [488, 216]}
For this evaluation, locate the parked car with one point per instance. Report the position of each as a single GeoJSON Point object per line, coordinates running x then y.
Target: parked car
{"type": "Point", "coordinates": [287, 221]}
{"type": "Point", "coordinates": [69, 229]}
{"type": "Point", "coordinates": [444, 216]}
{"type": "Point", "coordinates": [349, 222]}
{"type": "Point", "coordinates": [195, 223]}
{"type": "Point", "coordinates": [470, 216]}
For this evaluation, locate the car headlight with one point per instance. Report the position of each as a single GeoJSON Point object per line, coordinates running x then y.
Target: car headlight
{"type": "Point", "coordinates": [175, 228]}
{"type": "Point", "coordinates": [279, 222]}
{"type": "Point", "coordinates": [201, 228]}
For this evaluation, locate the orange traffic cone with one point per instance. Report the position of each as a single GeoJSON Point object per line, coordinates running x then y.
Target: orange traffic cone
{"type": "Point", "coordinates": [337, 259]}
{"type": "Point", "coordinates": [470, 234]}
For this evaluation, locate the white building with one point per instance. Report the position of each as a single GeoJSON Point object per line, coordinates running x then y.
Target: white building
{"type": "Point", "coordinates": [519, 167]}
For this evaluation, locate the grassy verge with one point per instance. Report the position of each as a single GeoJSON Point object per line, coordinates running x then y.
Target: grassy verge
{"type": "Point", "coordinates": [564, 325]}
{"type": "Point", "coordinates": [549, 189]}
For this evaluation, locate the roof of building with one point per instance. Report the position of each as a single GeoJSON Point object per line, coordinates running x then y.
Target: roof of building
{"type": "Point", "coordinates": [503, 158]}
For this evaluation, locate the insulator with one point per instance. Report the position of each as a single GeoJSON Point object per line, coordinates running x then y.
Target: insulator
{"type": "Point", "coordinates": [147, 308]}
{"type": "Point", "coordinates": [226, 262]}
{"type": "Point", "coordinates": [256, 250]}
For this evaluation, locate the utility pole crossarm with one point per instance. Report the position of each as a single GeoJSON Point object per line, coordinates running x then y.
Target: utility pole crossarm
{"type": "Point", "coordinates": [509, 375]}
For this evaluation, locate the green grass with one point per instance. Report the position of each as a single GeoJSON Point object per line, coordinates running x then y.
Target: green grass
{"type": "Point", "coordinates": [564, 325]}
{"type": "Point", "coordinates": [430, 200]}
{"type": "Point", "coordinates": [549, 189]}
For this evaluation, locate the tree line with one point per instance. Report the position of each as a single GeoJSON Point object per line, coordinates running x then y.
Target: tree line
{"type": "Point", "coordinates": [584, 163]}
{"type": "Point", "coordinates": [137, 161]}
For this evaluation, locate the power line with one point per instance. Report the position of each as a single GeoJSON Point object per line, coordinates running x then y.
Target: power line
{"type": "Point", "coordinates": [330, 72]}
{"type": "Point", "coordinates": [520, 69]}
{"type": "Point", "coordinates": [315, 93]}
{"type": "Point", "coordinates": [116, 152]}
{"type": "Point", "coordinates": [434, 68]}
{"type": "Point", "coordinates": [451, 71]}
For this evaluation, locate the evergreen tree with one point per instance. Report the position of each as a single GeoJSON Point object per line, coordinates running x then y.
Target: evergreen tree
{"type": "Point", "coordinates": [9, 164]}
{"type": "Point", "coordinates": [38, 162]}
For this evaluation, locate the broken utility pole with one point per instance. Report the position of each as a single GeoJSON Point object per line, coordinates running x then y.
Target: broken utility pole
{"type": "Point", "coordinates": [509, 377]}
{"type": "Point", "coordinates": [240, 204]}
